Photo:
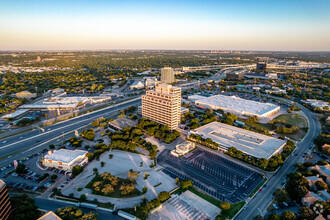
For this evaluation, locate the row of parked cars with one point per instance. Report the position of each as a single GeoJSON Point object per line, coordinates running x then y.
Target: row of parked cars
{"type": "Point", "coordinates": [22, 186]}
{"type": "Point", "coordinates": [284, 205]}
{"type": "Point", "coordinates": [55, 170]}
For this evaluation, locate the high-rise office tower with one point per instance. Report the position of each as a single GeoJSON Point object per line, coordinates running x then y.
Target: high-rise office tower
{"type": "Point", "coordinates": [163, 105]}
{"type": "Point", "coordinates": [5, 206]}
{"type": "Point", "coordinates": [167, 75]}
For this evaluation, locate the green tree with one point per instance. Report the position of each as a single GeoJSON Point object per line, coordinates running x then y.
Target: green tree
{"type": "Point", "coordinates": [225, 206]}
{"type": "Point", "coordinates": [305, 213]}
{"type": "Point", "coordinates": [83, 198]}
{"type": "Point", "coordinates": [281, 195]}
{"type": "Point", "coordinates": [163, 196]}
{"type": "Point", "coordinates": [24, 207]}
{"type": "Point", "coordinates": [288, 215]}
{"type": "Point", "coordinates": [186, 184]}
{"type": "Point", "coordinates": [320, 185]}
{"type": "Point", "coordinates": [20, 169]}
{"type": "Point", "coordinates": [273, 216]}
{"type": "Point", "coordinates": [53, 177]}
{"type": "Point", "coordinates": [76, 170]}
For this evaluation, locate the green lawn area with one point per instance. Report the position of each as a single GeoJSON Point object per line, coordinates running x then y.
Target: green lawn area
{"type": "Point", "coordinates": [234, 208]}
{"type": "Point", "coordinates": [117, 192]}
{"type": "Point", "coordinates": [293, 120]}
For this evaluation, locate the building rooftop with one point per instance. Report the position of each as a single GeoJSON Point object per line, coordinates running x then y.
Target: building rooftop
{"type": "Point", "coordinates": [2, 184]}
{"type": "Point", "coordinates": [15, 114]}
{"type": "Point", "coordinates": [65, 156]}
{"type": "Point", "coordinates": [249, 142]}
{"type": "Point", "coordinates": [122, 122]}
{"type": "Point", "coordinates": [238, 105]}
{"type": "Point", "coordinates": [49, 216]}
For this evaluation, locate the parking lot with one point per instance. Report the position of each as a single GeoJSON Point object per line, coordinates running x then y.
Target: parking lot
{"type": "Point", "coordinates": [36, 179]}
{"type": "Point", "coordinates": [215, 175]}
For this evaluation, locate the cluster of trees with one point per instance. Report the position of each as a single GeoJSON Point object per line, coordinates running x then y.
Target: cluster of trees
{"type": "Point", "coordinates": [100, 122]}
{"type": "Point", "coordinates": [208, 142]}
{"type": "Point", "coordinates": [75, 142]}
{"type": "Point", "coordinates": [272, 164]}
{"type": "Point", "coordinates": [71, 212]}
{"type": "Point", "coordinates": [129, 139]}
{"type": "Point", "coordinates": [293, 107]}
{"type": "Point", "coordinates": [321, 140]}
{"type": "Point", "coordinates": [158, 130]}
{"type": "Point", "coordinates": [286, 129]}
{"type": "Point", "coordinates": [21, 169]}
{"type": "Point", "coordinates": [23, 207]}
{"type": "Point", "coordinates": [9, 104]}
{"type": "Point", "coordinates": [89, 134]}
{"type": "Point", "coordinates": [76, 170]}
{"type": "Point", "coordinates": [107, 184]}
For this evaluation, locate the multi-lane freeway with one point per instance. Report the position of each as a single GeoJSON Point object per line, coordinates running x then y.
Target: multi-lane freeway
{"type": "Point", "coordinates": [259, 204]}
{"type": "Point", "coordinates": [17, 147]}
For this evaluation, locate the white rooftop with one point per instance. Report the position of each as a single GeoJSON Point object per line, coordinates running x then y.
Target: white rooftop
{"type": "Point", "coordinates": [16, 113]}
{"type": "Point", "coordinates": [249, 142]}
{"type": "Point", "coordinates": [65, 156]}
{"type": "Point", "coordinates": [238, 105]}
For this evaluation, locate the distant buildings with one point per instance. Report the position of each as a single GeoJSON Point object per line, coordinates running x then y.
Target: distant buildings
{"type": "Point", "coordinates": [167, 75]}
{"type": "Point", "coordinates": [26, 95]}
{"type": "Point", "coordinates": [137, 85]}
{"type": "Point", "coordinates": [261, 67]}
{"type": "Point", "coordinates": [251, 143]}
{"type": "Point", "coordinates": [235, 75]}
{"type": "Point", "coordinates": [65, 159]}
{"type": "Point", "coordinates": [163, 105]}
{"type": "Point", "coordinates": [317, 103]}
{"type": "Point", "coordinates": [5, 206]}
{"type": "Point", "coordinates": [236, 105]}
{"type": "Point", "coordinates": [16, 114]}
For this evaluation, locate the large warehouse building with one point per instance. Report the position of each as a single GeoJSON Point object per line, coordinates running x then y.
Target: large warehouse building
{"type": "Point", "coordinates": [252, 143]}
{"type": "Point", "coordinates": [237, 105]}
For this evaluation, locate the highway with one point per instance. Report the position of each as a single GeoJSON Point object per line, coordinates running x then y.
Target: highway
{"type": "Point", "coordinates": [19, 146]}
{"type": "Point", "coordinates": [53, 205]}
{"type": "Point", "coordinates": [259, 204]}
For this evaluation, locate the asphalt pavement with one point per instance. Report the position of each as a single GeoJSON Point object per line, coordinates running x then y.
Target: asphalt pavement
{"type": "Point", "coordinates": [259, 204]}
{"type": "Point", "coordinates": [19, 146]}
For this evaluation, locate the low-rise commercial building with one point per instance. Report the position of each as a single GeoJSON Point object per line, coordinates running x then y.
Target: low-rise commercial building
{"type": "Point", "coordinates": [65, 159]}
{"type": "Point", "coordinates": [251, 143]}
{"type": "Point", "coordinates": [26, 95]}
{"type": "Point", "coordinates": [5, 206]}
{"type": "Point", "coordinates": [237, 105]}
{"type": "Point", "coordinates": [49, 216]}
{"type": "Point", "coordinates": [183, 148]}
{"type": "Point", "coordinates": [137, 85]}
{"type": "Point", "coordinates": [16, 114]}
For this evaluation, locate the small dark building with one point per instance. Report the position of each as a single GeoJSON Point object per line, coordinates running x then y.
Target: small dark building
{"type": "Point", "coordinates": [235, 75]}
{"type": "Point", "coordinates": [261, 67]}
{"type": "Point", "coordinates": [5, 206]}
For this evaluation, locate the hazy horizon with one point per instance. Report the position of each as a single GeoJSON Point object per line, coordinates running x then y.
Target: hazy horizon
{"type": "Point", "coordinates": [238, 25]}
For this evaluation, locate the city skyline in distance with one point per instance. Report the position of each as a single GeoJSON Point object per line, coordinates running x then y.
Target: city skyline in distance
{"type": "Point", "coordinates": [156, 25]}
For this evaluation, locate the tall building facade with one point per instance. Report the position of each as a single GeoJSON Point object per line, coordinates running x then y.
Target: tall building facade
{"type": "Point", "coordinates": [167, 75]}
{"type": "Point", "coordinates": [163, 105]}
{"type": "Point", "coordinates": [261, 67]}
{"type": "Point", "coordinates": [5, 206]}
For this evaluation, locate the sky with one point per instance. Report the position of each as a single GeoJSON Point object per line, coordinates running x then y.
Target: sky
{"type": "Point", "coordinates": [272, 25]}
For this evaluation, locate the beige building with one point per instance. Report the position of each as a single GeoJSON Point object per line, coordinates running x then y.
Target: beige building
{"type": "Point", "coordinates": [65, 159]}
{"type": "Point", "coordinates": [26, 95]}
{"type": "Point", "coordinates": [163, 105]}
{"type": "Point", "coordinates": [167, 75]}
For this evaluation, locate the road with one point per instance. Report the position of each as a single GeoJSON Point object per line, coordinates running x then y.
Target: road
{"type": "Point", "coordinates": [19, 146]}
{"type": "Point", "coordinates": [259, 204]}
{"type": "Point", "coordinates": [52, 205]}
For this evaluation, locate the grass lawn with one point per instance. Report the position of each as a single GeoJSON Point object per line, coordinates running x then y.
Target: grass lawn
{"type": "Point", "coordinates": [234, 208]}
{"type": "Point", "coordinates": [205, 196]}
{"type": "Point", "coordinates": [293, 120]}
{"type": "Point", "coordinates": [117, 192]}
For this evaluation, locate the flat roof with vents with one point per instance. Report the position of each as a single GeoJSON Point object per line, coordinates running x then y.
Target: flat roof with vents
{"type": "Point", "coordinates": [252, 143]}
{"type": "Point", "coordinates": [237, 105]}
